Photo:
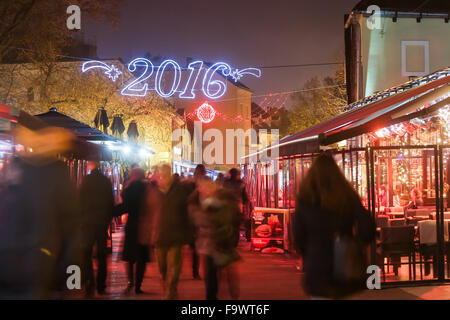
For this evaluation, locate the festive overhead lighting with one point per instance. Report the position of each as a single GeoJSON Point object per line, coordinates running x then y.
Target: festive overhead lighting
{"type": "Point", "coordinates": [176, 78]}
{"type": "Point", "coordinates": [206, 113]}
{"type": "Point", "coordinates": [138, 86]}
{"type": "Point", "coordinates": [110, 70]}
{"type": "Point", "coordinates": [220, 85]}
{"type": "Point", "coordinates": [383, 133]}
{"type": "Point", "coordinates": [188, 92]}
{"type": "Point", "coordinates": [444, 119]}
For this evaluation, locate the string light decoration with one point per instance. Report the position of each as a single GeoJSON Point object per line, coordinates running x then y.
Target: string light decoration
{"type": "Point", "coordinates": [444, 119]}
{"type": "Point", "coordinates": [402, 169]}
{"type": "Point", "coordinates": [205, 113]}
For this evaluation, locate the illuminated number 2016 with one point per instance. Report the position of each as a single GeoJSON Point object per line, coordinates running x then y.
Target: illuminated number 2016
{"type": "Point", "coordinates": [192, 80]}
{"type": "Point", "coordinates": [220, 85]}
{"type": "Point", "coordinates": [176, 78]}
{"type": "Point", "coordinates": [130, 89]}
{"type": "Point", "coordinates": [212, 89]}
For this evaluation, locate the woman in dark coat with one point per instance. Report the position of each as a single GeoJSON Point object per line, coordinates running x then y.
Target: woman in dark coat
{"type": "Point", "coordinates": [135, 251]}
{"type": "Point", "coordinates": [327, 206]}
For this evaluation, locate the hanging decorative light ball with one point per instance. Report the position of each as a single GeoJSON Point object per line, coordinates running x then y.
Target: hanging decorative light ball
{"type": "Point", "coordinates": [206, 113]}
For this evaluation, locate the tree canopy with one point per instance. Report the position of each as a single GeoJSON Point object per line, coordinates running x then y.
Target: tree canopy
{"type": "Point", "coordinates": [318, 101]}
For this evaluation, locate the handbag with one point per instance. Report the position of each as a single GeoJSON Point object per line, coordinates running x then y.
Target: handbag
{"type": "Point", "coordinates": [348, 260]}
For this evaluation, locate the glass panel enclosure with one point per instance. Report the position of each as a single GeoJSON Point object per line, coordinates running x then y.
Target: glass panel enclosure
{"type": "Point", "coordinates": [404, 184]}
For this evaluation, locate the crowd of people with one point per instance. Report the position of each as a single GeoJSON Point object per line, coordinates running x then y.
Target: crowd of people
{"type": "Point", "coordinates": [166, 212]}
{"type": "Point", "coordinates": [48, 224]}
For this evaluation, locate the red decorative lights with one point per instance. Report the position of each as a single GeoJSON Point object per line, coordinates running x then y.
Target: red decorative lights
{"type": "Point", "coordinates": [206, 113]}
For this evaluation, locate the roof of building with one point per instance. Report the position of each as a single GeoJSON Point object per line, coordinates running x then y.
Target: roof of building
{"type": "Point", "coordinates": [410, 6]}
{"type": "Point", "coordinates": [257, 110]}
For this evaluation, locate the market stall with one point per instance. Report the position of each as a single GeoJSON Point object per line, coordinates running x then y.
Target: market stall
{"type": "Point", "coordinates": [393, 147]}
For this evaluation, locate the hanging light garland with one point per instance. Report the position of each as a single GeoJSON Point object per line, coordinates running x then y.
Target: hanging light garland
{"type": "Point", "coordinates": [402, 169]}
{"type": "Point", "coordinates": [444, 119]}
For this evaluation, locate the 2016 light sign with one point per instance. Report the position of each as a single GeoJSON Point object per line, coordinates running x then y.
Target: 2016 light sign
{"type": "Point", "coordinates": [138, 87]}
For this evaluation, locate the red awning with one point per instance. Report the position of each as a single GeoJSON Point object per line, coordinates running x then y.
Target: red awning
{"type": "Point", "coordinates": [346, 119]}
{"type": "Point", "coordinates": [7, 113]}
{"type": "Point", "coordinates": [381, 109]}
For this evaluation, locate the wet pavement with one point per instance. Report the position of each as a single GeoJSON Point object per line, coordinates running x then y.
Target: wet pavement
{"type": "Point", "coordinates": [263, 277]}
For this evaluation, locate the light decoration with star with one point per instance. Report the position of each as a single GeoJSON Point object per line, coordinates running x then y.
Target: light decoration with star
{"type": "Point", "coordinates": [110, 70]}
{"type": "Point", "coordinates": [142, 69]}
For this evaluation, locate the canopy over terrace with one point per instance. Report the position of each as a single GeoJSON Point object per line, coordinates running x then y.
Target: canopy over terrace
{"type": "Point", "coordinates": [89, 134]}
{"type": "Point", "coordinates": [362, 124]}
{"type": "Point", "coordinates": [395, 105]}
{"type": "Point", "coordinates": [393, 147]}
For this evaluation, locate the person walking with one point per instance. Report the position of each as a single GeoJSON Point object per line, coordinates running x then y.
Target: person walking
{"type": "Point", "coordinates": [40, 215]}
{"type": "Point", "coordinates": [136, 249]}
{"type": "Point", "coordinates": [330, 219]}
{"type": "Point", "coordinates": [172, 229]}
{"type": "Point", "coordinates": [199, 173]}
{"type": "Point", "coordinates": [237, 187]}
{"type": "Point", "coordinates": [217, 218]}
{"type": "Point", "coordinates": [97, 204]}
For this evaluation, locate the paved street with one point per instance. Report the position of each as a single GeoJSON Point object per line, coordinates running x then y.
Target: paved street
{"type": "Point", "coordinates": [263, 277]}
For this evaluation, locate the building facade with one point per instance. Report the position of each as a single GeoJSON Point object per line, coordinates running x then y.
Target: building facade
{"type": "Point", "coordinates": [401, 41]}
{"type": "Point", "coordinates": [220, 149]}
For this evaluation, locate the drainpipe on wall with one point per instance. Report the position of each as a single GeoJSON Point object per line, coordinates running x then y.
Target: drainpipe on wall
{"type": "Point", "coordinates": [353, 58]}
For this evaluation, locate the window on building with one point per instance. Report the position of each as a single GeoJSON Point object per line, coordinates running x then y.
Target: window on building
{"type": "Point", "coordinates": [415, 58]}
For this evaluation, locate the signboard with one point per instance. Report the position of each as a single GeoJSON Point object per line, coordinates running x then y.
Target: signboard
{"type": "Point", "coordinates": [268, 230]}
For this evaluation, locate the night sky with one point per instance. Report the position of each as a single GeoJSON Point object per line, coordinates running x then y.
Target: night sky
{"type": "Point", "coordinates": [243, 33]}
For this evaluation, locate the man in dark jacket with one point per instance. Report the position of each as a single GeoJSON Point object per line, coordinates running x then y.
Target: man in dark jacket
{"type": "Point", "coordinates": [199, 173]}
{"type": "Point", "coordinates": [138, 230]}
{"type": "Point", "coordinates": [39, 219]}
{"type": "Point", "coordinates": [97, 203]}
{"type": "Point", "coordinates": [173, 229]}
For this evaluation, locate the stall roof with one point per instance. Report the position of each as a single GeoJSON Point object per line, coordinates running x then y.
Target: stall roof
{"type": "Point", "coordinates": [83, 131]}
{"type": "Point", "coordinates": [377, 111]}
{"type": "Point", "coordinates": [80, 129]}
{"type": "Point", "coordinates": [81, 148]}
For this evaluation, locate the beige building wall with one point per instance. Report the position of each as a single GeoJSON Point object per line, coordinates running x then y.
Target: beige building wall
{"type": "Point", "coordinates": [426, 48]}
{"type": "Point", "coordinates": [235, 102]}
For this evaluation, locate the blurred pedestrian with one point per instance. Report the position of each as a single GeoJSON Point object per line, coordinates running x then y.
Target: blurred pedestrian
{"type": "Point", "coordinates": [136, 249]}
{"type": "Point", "coordinates": [220, 179]}
{"type": "Point", "coordinates": [199, 172]}
{"type": "Point", "coordinates": [39, 217]}
{"type": "Point", "coordinates": [329, 221]}
{"type": "Point", "coordinates": [237, 187]}
{"type": "Point", "coordinates": [217, 218]}
{"type": "Point", "coordinates": [97, 204]}
{"type": "Point", "coordinates": [172, 228]}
